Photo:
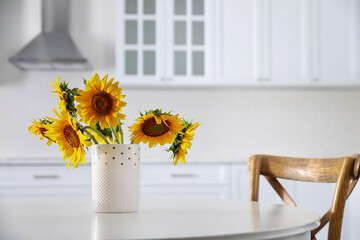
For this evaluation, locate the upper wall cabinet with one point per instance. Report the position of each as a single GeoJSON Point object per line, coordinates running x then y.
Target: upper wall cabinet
{"type": "Point", "coordinates": [262, 42]}
{"type": "Point", "coordinates": [139, 43]}
{"type": "Point", "coordinates": [164, 42]}
{"type": "Point", "coordinates": [336, 41]}
{"type": "Point", "coordinates": [284, 42]}
{"type": "Point", "coordinates": [239, 42]}
{"type": "Point", "coordinates": [236, 42]}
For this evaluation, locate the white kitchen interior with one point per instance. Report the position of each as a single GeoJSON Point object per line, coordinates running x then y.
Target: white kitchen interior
{"type": "Point", "coordinates": [277, 77]}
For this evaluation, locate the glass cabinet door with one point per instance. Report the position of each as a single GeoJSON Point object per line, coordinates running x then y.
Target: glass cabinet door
{"type": "Point", "coordinates": [163, 42]}
{"type": "Point", "coordinates": [188, 45]}
{"type": "Point", "coordinates": [138, 41]}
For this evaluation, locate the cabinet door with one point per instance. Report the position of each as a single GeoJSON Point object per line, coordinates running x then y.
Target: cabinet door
{"type": "Point", "coordinates": [240, 182]}
{"type": "Point", "coordinates": [189, 40]}
{"type": "Point", "coordinates": [336, 42]}
{"type": "Point", "coordinates": [139, 53]}
{"type": "Point", "coordinates": [240, 177]}
{"type": "Point", "coordinates": [318, 198]}
{"type": "Point", "coordinates": [214, 192]}
{"type": "Point", "coordinates": [43, 181]}
{"type": "Point", "coordinates": [284, 42]}
{"type": "Point", "coordinates": [351, 228]}
{"type": "Point", "coordinates": [236, 42]}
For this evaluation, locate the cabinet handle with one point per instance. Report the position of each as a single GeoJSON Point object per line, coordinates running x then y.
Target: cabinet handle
{"type": "Point", "coordinates": [162, 79]}
{"type": "Point", "coordinates": [315, 79]}
{"type": "Point", "coordinates": [260, 79]}
{"type": "Point", "coordinates": [46, 176]}
{"type": "Point", "coordinates": [169, 79]}
{"type": "Point", "coordinates": [182, 175]}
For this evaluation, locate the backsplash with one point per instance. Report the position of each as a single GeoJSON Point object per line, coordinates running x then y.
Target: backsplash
{"type": "Point", "coordinates": [236, 123]}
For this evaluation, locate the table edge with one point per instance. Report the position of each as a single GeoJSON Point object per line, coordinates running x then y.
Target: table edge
{"type": "Point", "coordinates": [263, 235]}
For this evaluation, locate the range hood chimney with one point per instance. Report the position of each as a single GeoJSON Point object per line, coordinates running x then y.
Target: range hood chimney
{"type": "Point", "coordinates": [53, 48]}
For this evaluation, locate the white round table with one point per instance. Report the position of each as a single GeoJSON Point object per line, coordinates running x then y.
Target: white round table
{"type": "Point", "coordinates": [72, 218]}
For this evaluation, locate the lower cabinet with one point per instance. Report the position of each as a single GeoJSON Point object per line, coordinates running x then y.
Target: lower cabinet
{"type": "Point", "coordinates": [352, 215]}
{"type": "Point", "coordinates": [36, 180]}
{"type": "Point", "coordinates": [190, 180]}
{"type": "Point", "coordinates": [187, 192]}
{"type": "Point", "coordinates": [207, 180]}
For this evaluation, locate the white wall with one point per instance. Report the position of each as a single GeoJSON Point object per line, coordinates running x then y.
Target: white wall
{"type": "Point", "coordinates": [235, 122]}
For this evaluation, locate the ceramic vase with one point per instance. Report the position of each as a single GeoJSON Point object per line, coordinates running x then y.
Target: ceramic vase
{"type": "Point", "coordinates": [115, 178]}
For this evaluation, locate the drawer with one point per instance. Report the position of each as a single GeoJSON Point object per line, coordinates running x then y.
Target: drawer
{"type": "Point", "coordinates": [44, 176]}
{"type": "Point", "coordinates": [160, 174]}
{"type": "Point", "coordinates": [45, 191]}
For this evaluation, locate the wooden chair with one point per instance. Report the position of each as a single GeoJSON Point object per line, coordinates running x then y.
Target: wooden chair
{"type": "Point", "coordinates": [342, 171]}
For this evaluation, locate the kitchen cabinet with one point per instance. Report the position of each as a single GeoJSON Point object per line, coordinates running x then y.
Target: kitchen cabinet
{"type": "Point", "coordinates": [236, 42]}
{"type": "Point", "coordinates": [241, 181]}
{"type": "Point", "coordinates": [50, 178]}
{"type": "Point", "coordinates": [239, 42]}
{"type": "Point", "coordinates": [140, 41]}
{"type": "Point", "coordinates": [284, 42]}
{"type": "Point", "coordinates": [190, 180]}
{"type": "Point", "coordinates": [336, 40]}
{"type": "Point", "coordinates": [43, 179]}
{"type": "Point", "coordinates": [262, 42]}
{"type": "Point", "coordinates": [351, 216]}
{"type": "Point", "coordinates": [162, 42]}
{"type": "Point", "coordinates": [288, 43]}
{"type": "Point", "coordinates": [318, 197]}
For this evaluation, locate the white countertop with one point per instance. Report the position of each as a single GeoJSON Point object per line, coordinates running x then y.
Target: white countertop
{"type": "Point", "coordinates": [72, 218]}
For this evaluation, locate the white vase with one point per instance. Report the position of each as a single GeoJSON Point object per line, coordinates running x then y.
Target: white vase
{"type": "Point", "coordinates": [115, 178]}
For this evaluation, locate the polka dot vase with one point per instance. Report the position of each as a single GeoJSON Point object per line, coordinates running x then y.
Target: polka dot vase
{"type": "Point", "coordinates": [115, 178]}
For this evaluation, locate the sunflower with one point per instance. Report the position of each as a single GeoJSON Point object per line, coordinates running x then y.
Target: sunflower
{"type": "Point", "coordinates": [40, 128]}
{"type": "Point", "coordinates": [65, 95]}
{"type": "Point", "coordinates": [182, 142]}
{"type": "Point", "coordinates": [101, 102]}
{"type": "Point", "coordinates": [61, 93]}
{"type": "Point", "coordinates": [68, 136]}
{"type": "Point", "coordinates": [155, 128]}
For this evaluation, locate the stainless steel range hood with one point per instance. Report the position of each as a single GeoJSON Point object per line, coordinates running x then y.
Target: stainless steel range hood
{"type": "Point", "coordinates": [53, 48]}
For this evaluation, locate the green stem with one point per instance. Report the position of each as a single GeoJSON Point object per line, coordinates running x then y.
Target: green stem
{"type": "Point", "coordinates": [133, 141]}
{"type": "Point", "coordinates": [91, 136]}
{"type": "Point", "coordinates": [115, 136]}
{"type": "Point", "coordinates": [99, 133]}
{"type": "Point", "coordinates": [121, 132]}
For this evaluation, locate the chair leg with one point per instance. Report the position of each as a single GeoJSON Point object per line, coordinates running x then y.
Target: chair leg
{"type": "Point", "coordinates": [255, 165]}
{"type": "Point", "coordinates": [340, 196]}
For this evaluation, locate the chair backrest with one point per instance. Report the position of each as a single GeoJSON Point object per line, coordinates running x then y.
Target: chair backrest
{"type": "Point", "coordinates": [342, 171]}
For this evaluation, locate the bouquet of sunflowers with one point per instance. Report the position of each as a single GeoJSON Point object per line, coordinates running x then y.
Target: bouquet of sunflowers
{"type": "Point", "coordinates": [96, 119]}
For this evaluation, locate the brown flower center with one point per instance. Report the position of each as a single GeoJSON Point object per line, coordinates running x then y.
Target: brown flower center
{"type": "Point", "coordinates": [71, 136]}
{"type": "Point", "coordinates": [152, 129]}
{"type": "Point", "coordinates": [102, 103]}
